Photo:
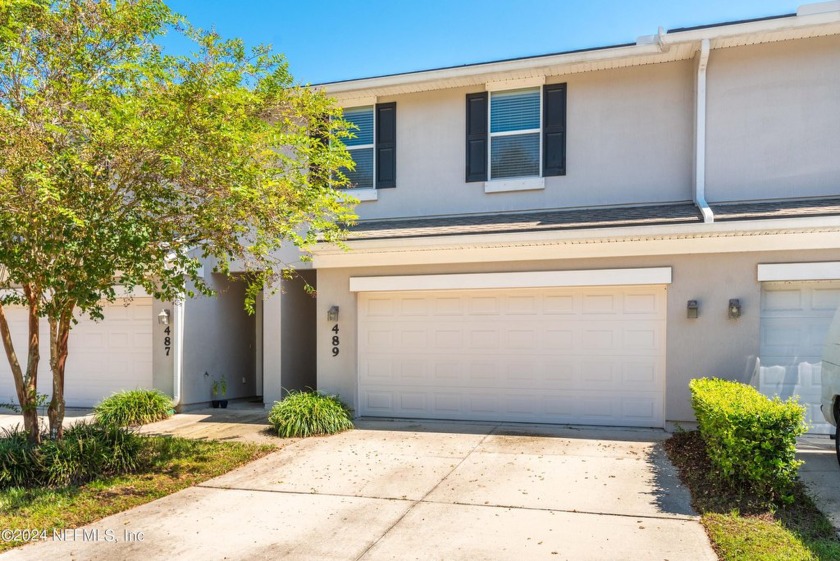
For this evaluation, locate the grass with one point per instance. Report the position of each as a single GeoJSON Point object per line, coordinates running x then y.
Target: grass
{"type": "Point", "coordinates": [309, 414]}
{"type": "Point", "coordinates": [745, 527]}
{"type": "Point", "coordinates": [169, 464]}
{"type": "Point", "coordinates": [134, 407]}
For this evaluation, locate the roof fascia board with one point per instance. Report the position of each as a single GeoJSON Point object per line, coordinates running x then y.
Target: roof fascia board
{"type": "Point", "coordinates": [717, 237]}
{"type": "Point", "coordinates": [527, 279]}
{"type": "Point", "coordinates": [489, 69]}
{"type": "Point", "coordinates": [802, 22]}
{"type": "Point", "coordinates": [594, 249]}
{"type": "Point", "coordinates": [432, 79]}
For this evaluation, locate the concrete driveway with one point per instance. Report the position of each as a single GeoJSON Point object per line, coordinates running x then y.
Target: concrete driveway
{"type": "Point", "coordinates": [430, 490]}
{"type": "Point", "coordinates": [821, 474]}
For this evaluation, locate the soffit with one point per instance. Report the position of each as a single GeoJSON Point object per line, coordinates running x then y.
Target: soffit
{"type": "Point", "coordinates": [655, 49]}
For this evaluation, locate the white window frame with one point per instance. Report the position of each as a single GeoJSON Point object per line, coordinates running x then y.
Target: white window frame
{"type": "Point", "coordinates": [524, 183]}
{"type": "Point", "coordinates": [363, 147]}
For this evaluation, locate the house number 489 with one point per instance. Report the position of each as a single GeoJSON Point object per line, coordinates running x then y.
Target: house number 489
{"type": "Point", "coordinates": [335, 340]}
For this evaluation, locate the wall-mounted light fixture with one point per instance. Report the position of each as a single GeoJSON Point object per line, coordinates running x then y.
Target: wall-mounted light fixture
{"type": "Point", "coordinates": [163, 317]}
{"type": "Point", "coordinates": [692, 309]}
{"type": "Point", "coordinates": [734, 308]}
{"type": "Point", "coordinates": [332, 313]}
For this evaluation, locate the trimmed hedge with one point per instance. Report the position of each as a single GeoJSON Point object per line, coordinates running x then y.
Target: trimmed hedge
{"type": "Point", "coordinates": [309, 414]}
{"type": "Point", "coordinates": [750, 439]}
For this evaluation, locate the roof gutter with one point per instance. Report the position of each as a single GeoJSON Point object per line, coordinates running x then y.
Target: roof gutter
{"type": "Point", "coordinates": [700, 135]}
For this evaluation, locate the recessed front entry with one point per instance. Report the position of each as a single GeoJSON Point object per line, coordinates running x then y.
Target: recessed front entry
{"type": "Point", "coordinates": [583, 355]}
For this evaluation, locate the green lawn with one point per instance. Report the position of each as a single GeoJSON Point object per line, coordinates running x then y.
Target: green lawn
{"type": "Point", "coordinates": [742, 527]}
{"type": "Point", "coordinates": [170, 464]}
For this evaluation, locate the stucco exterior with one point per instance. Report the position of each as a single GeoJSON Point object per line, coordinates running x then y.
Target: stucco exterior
{"type": "Point", "coordinates": [655, 125]}
{"type": "Point", "coordinates": [759, 114]}
{"type": "Point", "coordinates": [712, 345]}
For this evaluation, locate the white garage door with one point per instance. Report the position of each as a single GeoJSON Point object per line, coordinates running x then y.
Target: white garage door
{"type": "Point", "coordinates": [104, 357]}
{"type": "Point", "coordinates": [794, 324]}
{"type": "Point", "coordinates": [565, 355]}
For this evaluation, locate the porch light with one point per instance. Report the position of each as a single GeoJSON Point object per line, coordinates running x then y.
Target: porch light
{"type": "Point", "coordinates": [332, 313]}
{"type": "Point", "coordinates": [163, 317]}
{"type": "Point", "coordinates": [692, 309]}
{"type": "Point", "coordinates": [734, 308]}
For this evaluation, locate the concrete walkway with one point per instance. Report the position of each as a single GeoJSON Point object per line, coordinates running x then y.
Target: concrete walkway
{"type": "Point", "coordinates": [821, 474]}
{"type": "Point", "coordinates": [430, 490]}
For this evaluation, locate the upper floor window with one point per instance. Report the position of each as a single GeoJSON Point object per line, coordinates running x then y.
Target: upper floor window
{"type": "Point", "coordinates": [516, 134]}
{"type": "Point", "coordinates": [373, 147]}
{"type": "Point", "coordinates": [361, 146]}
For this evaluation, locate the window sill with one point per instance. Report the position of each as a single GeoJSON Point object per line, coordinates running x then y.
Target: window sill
{"type": "Point", "coordinates": [363, 194]}
{"type": "Point", "coordinates": [508, 185]}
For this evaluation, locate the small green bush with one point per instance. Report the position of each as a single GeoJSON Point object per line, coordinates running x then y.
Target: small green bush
{"type": "Point", "coordinates": [133, 407]}
{"type": "Point", "coordinates": [309, 414]}
{"type": "Point", "coordinates": [750, 439]}
{"type": "Point", "coordinates": [87, 451]}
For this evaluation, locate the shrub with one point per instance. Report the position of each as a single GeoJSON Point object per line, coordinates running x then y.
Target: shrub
{"type": "Point", "coordinates": [133, 407]}
{"type": "Point", "coordinates": [87, 451]}
{"type": "Point", "coordinates": [750, 439]}
{"type": "Point", "coordinates": [309, 414]}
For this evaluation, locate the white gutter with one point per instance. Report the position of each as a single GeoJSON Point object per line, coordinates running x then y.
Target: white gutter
{"type": "Point", "coordinates": [177, 349]}
{"type": "Point", "coordinates": [700, 135]}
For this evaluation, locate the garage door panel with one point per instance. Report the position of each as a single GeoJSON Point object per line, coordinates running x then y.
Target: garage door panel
{"type": "Point", "coordinates": [825, 300]}
{"type": "Point", "coordinates": [103, 357]}
{"type": "Point", "coordinates": [795, 318]}
{"type": "Point", "coordinates": [531, 355]}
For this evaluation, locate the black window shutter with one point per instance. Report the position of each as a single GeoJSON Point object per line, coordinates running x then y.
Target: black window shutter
{"type": "Point", "coordinates": [386, 145]}
{"type": "Point", "coordinates": [477, 137]}
{"type": "Point", "coordinates": [554, 130]}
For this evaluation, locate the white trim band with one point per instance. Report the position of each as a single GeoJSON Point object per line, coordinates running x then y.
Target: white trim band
{"type": "Point", "coordinates": [531, 279]}
{"type": "Point", "coordinates": [509, 185]}
{"type": "Point", "coordinates": [829, 270]}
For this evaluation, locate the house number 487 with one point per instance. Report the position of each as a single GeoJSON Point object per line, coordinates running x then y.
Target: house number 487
{"type": "Point", "coordinates": [335, 340]}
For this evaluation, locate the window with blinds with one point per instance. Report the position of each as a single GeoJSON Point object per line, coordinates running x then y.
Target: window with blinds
{"type": "Point", "coordinates": [515, 133]}
{"type": "Point", "coordinates": [360, 147]}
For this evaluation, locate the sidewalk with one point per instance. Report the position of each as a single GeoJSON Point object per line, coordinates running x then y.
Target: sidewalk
{"type": "Point", "coordinates": [245, 424]}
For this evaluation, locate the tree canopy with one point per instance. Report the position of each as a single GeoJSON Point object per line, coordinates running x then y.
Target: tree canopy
{"type": "Point", "coordinates": [123, 165]}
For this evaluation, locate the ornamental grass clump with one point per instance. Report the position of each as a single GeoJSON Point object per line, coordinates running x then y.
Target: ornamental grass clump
{"type": "Point", "coordinates": [309, 414]}
{"type": "Point", "coordinates": [134, 407]}
{"type": "Point", "coordinates": [750, 438]}
{"type": "Point", "coordinates": [87, 451]}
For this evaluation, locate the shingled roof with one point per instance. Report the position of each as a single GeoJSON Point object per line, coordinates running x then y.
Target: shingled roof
{"type": "Point", "coordinates": [577, 219]}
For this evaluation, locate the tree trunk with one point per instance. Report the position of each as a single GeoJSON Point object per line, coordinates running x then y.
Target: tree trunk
{"type": "Point", "coordinates": [26, 386]}
{"type": "Point", "coordinates": [59, 336]}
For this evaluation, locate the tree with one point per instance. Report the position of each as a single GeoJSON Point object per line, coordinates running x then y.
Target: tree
{"type": "Point", "coordinates": [120, 164]}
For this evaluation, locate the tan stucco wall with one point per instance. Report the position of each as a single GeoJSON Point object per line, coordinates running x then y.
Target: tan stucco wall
{"type": "Point", "coordinates": [773, 111]}
{"type": "Point", "coordinates": [629, 141]}
{"type": "Point", "coordinates": [773, 117]}
{"type": "Point", "coordinates": [289, 354]}
{"type": "Point", "coordinates": [712, 345]}
{"type": "Point", "coordinates": [163, 365]}
{"type": "Point", "coordinates": [219, 338]}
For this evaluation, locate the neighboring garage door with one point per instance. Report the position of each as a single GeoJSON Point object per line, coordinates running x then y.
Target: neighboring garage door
{"type": "Point", "coordinates": [104, 357]}
{"type": "Point", "coordinates": [794, 323]}
{"type": "Point", "coordinates": [548, 355]}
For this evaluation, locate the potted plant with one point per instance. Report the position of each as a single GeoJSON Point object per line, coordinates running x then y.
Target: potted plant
{"type": "Point", "coordinates": [219, 393]}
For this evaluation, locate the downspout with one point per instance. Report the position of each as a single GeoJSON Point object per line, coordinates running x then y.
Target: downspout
{"type": "Point", "coordinates": [700, 136]}
{"type": "Point", "coordinates": [177, 350]}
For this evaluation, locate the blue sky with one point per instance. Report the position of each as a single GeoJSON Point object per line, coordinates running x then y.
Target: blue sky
{"type": "Point", "coordinates": [330, 40]}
